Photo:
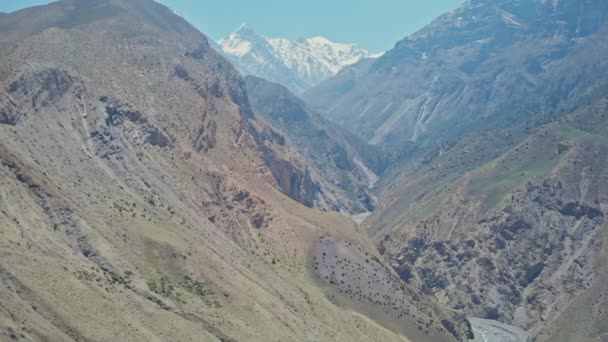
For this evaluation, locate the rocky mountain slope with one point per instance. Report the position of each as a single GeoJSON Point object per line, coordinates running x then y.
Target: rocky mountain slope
{"type": "Point", "coordinates": [298, 65]}
{"type": "Point", "coordinates": [517, 236]}
{"type": "Point", "coordinates": [499, 119]}
{"type": "Point", "coordinates": [348, 165]}
{"type": "Point", "coordinates": [142, 198]}
{"type": "Point", "coordinates": [485, 65]}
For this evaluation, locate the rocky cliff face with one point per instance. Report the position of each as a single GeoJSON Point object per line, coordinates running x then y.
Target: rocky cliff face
{"type": "Point", "coordinates": [142, 199]}
{"type": "Point", "coordinates": [346, 167]}
{"type": "Point", "coordinates": [516, 239]}
{"type": "Point", "coordinates": [485, 65]}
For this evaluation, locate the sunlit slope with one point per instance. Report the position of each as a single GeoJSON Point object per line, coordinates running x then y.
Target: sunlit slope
{"type": "Point", "coordinates": [518, 238]}
{"type": "Point", "coordinates": [140, 198]}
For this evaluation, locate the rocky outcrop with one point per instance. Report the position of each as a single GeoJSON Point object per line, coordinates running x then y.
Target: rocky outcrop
{"type": "Point", "coordinates": [359, 276]}
{"type": "Point", "coordinates": [205, 137]}
{"type": "Point", "coordinates": [295, 183]}
{"type": "Point", "coordinates": [346, 166]}
{"type": "Point", "coordinates": [140, 130]}
{"type": "Point", "coordinates": [44, 87]}
{"type": "Point", "coordinates": [9, 113]}
{"type": "Point", "coordinates": [517, 238]}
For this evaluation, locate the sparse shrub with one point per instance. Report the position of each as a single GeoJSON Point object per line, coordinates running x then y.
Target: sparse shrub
{"type": "Point", "coordinates": [161, 287]}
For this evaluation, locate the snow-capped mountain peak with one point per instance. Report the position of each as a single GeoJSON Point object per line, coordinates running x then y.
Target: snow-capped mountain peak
{"type": "Point", "coordinates": [298, 65]}
{"type": "Point", "coordinates": [319, 40]}
{"type": "Point", "coordinates": [241, 41]}
{"type": "Point", "coordinates": [246, 31]}
{"type": "Point", "coordinates": [245, 26]}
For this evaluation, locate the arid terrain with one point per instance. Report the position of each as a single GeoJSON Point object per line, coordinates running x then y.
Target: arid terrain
{"type": "Point", "coordinates": [143, 199]}
{"type": "Point", "coordinates": [453, 189]}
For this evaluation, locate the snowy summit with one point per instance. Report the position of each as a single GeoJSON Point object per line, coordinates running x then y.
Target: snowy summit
{"type": "Point", "coordinates": [298, 65]}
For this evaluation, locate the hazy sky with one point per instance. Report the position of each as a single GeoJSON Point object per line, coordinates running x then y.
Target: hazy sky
{"type": "Point", "coordinates": [374, 24]}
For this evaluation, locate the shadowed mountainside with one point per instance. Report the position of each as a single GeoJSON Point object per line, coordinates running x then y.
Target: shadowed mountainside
{"type": "Point", "coordinates": [350, 167]}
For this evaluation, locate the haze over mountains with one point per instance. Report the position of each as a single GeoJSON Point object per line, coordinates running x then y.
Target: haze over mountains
{"type": "Point", "coordinates": [152, 189]}
{"type": "Point", "coordinates": [462, 72]}
{"type": "Point", "coordinates": [298, 65]}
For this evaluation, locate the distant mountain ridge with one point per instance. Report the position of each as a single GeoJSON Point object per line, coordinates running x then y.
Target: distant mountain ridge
{"type": "Point", "coordinates": [463, 70]}
{"type": "Point", "coordinates": [298, 65]}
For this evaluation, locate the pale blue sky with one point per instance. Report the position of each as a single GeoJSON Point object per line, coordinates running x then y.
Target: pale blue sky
{"type": "Point", "coordinates": [374, 24]}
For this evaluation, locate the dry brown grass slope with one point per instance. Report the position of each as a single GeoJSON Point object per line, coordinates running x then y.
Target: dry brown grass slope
{"type": "Point", "coordinates": [138, 200]}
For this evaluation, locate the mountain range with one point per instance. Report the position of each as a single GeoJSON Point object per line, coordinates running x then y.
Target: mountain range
{"type": "Point", "coordinates": [298, 65]}
{"type": "Point", "coordinates": [461, 72]}
{"type": "Point", "coordinates": [156, 185]}
{"type": "Point", "coordinates": [143, 197]}
{"type": "Point", "coordinates": [495, 200]}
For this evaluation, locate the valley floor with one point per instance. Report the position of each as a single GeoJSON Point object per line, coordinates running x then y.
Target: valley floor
{"type": "Point", "coordinates": [492, 331]}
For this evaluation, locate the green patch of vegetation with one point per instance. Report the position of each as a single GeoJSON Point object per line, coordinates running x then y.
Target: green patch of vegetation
{"type": "Point", "coordinates": [187, 288]}
{"type": "Point", "coordinates": [161, 286]}
{"type": "Point", "coordinates": [179, 299]}
{"type": "Point", "coordinates": [430, 208]}
{"type": "Point", "coordinates": [435, 188]}
{"type": "Point", "coordinates": [201, 290]}
{"type": "Point", "coordinates": [152, 202]}
{"type": "Point", "coordinates": [573, 132]}
{"type": "Point", "coordinates": [580, 134]}
{"type": "Point", "coordinates": [503, 179]}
